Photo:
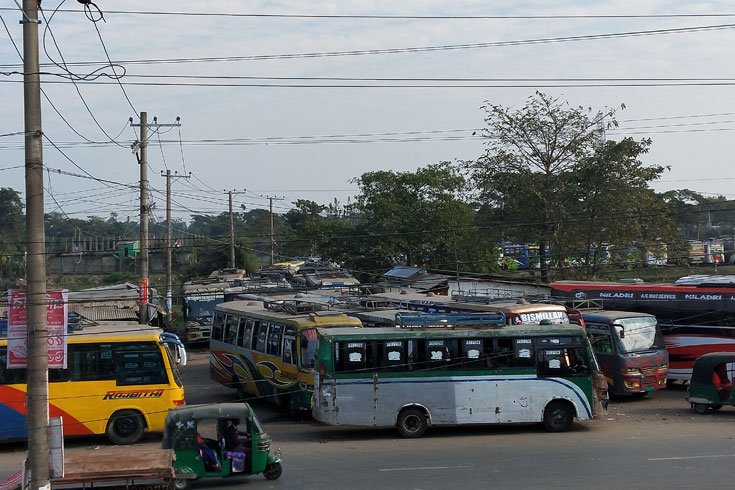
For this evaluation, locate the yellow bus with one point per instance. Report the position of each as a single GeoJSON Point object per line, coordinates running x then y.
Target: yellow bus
{"type": "Point", "coordinates": [120, 380]}
{"type": "Point", "coordinates": [266, 348]}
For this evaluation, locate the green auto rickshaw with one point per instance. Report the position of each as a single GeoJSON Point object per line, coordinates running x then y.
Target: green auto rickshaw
{"type": "Point", "coordinates": [711, 385]}
{"type": "Point", "coordinates": [218, 440]}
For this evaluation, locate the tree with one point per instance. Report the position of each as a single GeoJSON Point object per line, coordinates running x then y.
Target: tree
{"type": "Point", "coordinates": [531, 154]}
{"type": "Point", "coordinates": [614, 205]}
{"type": "Point", "coordinates": [12, 233]}
{"type": "Point", "coordinates": [413, 218]}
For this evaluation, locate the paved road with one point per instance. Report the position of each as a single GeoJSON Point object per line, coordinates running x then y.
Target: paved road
{"type": "Point", "coordinates": [650, 443]}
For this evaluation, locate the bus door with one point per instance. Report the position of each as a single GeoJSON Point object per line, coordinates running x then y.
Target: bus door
{"type": "Point", "coordinates": [603, 345]}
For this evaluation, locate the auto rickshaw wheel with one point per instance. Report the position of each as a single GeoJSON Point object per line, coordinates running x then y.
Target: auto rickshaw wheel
{"type": "Point", "coordinates": [125, 427]}
{"type": "Point", "coordinates": [700, 408]}
{"type": "Point", "coordinates": [182, 483]}
{"type": "Point", "coordinates": [273, 471]}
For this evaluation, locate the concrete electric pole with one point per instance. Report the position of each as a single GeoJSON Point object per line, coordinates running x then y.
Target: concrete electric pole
{"type": "Point", "coordinates": [140, 148]}
{"type": "Point", "coordinates": [273, 236]}
{"type": "Point", "coordinates": [38, 413]}
{"type": "Point", "coordinates": [169, 237]}
{"type": "Point", "coordinates": [233, 262]}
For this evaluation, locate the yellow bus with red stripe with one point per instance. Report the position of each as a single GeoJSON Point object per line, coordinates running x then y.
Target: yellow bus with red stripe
{"type": "Point", "coordinates": [120, 381]}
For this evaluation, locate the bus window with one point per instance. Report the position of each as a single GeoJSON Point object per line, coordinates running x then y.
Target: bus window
{"type": "Point", "coordinates": [601, 340]}
{"type": "Point", "coordinates": [437, 354]}
{"type": "Point", "coordinates": [10, 376]}
{"type": "Point", "coordinates": [247, 336]}
{"type": "Point", "coordinates": [241, 329]}
{"type": "Point", "coordinates": [275, 336]}
{"type": "Point", "coordinates": [471, 354]}
{"type": "Point", "coordinates": [217, 322]}
{"type": "Point", "coordinates": [261, 339]}
{"type": "Point", "coordinates": [90, 362]}
{"type": "Point", "coordinates": [350, 357]}
{"type": "Point", "coordinates": [392, 354]}
{"type": "Point", "coordinates": [562, 362]}
{"type": "Point", "coordinates": [230, 329]}
{"type": "Point", "coordinates": [289, 345]}
{"type": "Point", "coordinates": [139, 367]}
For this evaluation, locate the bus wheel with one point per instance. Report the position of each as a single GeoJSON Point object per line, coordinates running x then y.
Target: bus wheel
{"type": "Point", "coordinates": [411, 422]}
{"type": "Point", "coordinates": [182, 483]}
{"type": "Point", "coordinates": [558, 417]}
{"type": "Point", "coordinates": [125, 427]}
{"type": "Point", "coordinates": [700, 408]}
{"type": "Point", "coordinates": [273, 471]}
{"type": "Point", "coordinates": [715, 407]}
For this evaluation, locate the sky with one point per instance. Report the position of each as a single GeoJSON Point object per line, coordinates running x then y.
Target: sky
{"type": "Point", "coordinates": [293, 100]}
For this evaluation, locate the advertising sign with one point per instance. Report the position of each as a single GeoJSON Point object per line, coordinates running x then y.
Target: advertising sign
{"type": "Point", "coordinates": [56, 318]}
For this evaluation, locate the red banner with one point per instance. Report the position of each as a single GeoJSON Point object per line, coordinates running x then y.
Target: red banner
{"type": "Point", "coordinates": [56, 319]}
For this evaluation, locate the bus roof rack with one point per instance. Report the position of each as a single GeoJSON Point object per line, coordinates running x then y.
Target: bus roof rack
{"type": "Point", "coordinates": [418, 320]}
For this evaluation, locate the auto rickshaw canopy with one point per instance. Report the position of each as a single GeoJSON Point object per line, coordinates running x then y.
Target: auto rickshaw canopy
{"type": "Point", "coordinates": [181, 422]}
{"type": "Point", "coordinates": [705, 364]}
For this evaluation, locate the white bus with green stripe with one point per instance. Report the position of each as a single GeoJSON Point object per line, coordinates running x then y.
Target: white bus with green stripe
{"type": "Point", "coordinates": [445, 370]}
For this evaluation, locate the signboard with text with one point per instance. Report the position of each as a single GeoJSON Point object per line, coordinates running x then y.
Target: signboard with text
{"type": "Point", "coordinates": [56, 318]}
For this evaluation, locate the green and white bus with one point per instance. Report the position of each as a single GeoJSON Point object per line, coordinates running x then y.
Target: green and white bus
{"type": "Point", "coordinates": [456, 369]}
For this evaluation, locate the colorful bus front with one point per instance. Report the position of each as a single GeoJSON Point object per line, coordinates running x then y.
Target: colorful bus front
{"type": "Point", "coordinates": [267, 350]}
{"type": "Point", "coordinates": [630, 349]}
{"type": "Point", "coordinates": [120, 381]}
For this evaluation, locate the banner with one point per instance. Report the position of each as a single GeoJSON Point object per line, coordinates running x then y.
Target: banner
{"type": "Point", "coordinates": [56, 318]}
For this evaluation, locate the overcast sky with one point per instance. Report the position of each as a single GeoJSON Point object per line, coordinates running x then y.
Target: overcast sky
{"type": "Point", "coordinates": [293, 99]}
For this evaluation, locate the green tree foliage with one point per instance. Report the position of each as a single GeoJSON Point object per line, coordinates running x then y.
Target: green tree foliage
{"type": "Point", "coordinates": [12, 235]}
{"type": "Point", "coordinates": [414, 218]}
{"type": "Point", "coordinates": [524, 175]}
{"type": "Point", "coordinates": [613, 205]}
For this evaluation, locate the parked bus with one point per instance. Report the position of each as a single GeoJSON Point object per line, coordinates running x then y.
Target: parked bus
{"type": "Point", "coordinates": [517, 311]}
{"type": "Point", "coordinates": [266, 349]}
{"type": "Point", "coordinates": [435, 370]}
{"type": "Point", "coordinates": [120, 381]}
{"type": "Point", "coordinates": [630, 349]}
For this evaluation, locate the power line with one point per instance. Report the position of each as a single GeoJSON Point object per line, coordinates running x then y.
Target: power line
{"type": "Point", "coordinates": [406, 17]}
{"type": "Point", "coordinates": [417, 49]}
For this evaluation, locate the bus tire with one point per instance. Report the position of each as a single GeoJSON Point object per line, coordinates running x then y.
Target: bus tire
{"type": "Point", "coordinates": [715, 407]}
{"type": "Point", "coordinates": [558, 416]}
{"type": "Point", "coordinates": [273, 471]}
{"type": "Point", "coordinates": [411, 422]}
{"type": "Point", "coordinates": [125, 427]}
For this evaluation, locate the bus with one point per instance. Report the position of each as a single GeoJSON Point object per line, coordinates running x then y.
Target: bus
{"type": "Point", "coordinates": [517, 311]}
{"type": "Point", "coordinates": [120, 381]}
{"type": "Point", "coordinates": [434, 370]}
{"type": "Point", "coordinates": [266, 348]}
{"type": "Point", "coordinates": [630, 349]}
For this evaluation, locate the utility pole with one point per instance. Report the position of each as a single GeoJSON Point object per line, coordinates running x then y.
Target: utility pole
{"type": "Point", "coordinates": [232, 228]}
{"type": "Point", "coordinates": [140, 148]}
{"type": "Point", "coordinates": [273, 237]}
{"type": "Point", "coordinates": [169, 238]}
{"type": "Point", "coordinates": [39, 456]}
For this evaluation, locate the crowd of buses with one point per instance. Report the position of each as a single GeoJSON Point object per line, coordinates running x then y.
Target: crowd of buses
{"type": "Point", "coordinates": [383, 360]}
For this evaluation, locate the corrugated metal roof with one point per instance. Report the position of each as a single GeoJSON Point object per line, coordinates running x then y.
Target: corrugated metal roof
{"type": "Point", "coordinates": [403, 272]}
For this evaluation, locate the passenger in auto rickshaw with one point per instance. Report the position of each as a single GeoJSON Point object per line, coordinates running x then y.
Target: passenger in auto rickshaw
{"type": "Point", "coordinates": [235, 442]}
{"type": "Point", "coordinates": [721, 381]}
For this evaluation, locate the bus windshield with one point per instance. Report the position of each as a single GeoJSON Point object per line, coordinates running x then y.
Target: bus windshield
{"type": "Point", "coordinates": [636, 334]}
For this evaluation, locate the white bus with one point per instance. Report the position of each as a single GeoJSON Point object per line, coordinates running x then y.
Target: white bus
{"type": "Point", "coordinates": [434, 370]}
